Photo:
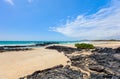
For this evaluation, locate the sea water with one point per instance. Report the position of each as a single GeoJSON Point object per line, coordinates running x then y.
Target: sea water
{"type": "Point", "coordinates": [3, 43]}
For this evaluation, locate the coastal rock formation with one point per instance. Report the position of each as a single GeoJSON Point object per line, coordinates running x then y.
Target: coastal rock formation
{"type": "Point", "coordinates": [117, 50]}
{"type": "Point", "coordinates": [64, 49]}
{"type": "Point", "coordinates": [46, 43]}
{"type": "Point", "coordinates": [103, 76]}
{"type": "Point", "coordinates": [58, 72]}
{"type": "Point", "coordinates": [24, 47]}
{"type": "Point", "coordinates": [1, 49]}
{"type": "Point", "coordinates": [14, 48]}
{"type": "Point", "coordinates": [101, 64]}
{"type": "Point", "coordinates": [107, 50]}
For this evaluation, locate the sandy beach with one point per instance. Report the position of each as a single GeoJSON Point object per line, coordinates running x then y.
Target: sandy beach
{"type": "Point", "coordinates": [109, 44]}
{"type": "Point", "coordinates": [14, 65]}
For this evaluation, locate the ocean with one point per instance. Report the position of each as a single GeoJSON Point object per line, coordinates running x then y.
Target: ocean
{"type": "Point", "coordinates": [4, 43]}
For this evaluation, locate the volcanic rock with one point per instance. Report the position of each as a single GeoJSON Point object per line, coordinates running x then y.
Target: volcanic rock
{"type": "Point", "coordinates": [58, 72]}
{"type": "Point", "coordinates": [97, 68]}
{"type": "Point", "coordinates": [64, 49]}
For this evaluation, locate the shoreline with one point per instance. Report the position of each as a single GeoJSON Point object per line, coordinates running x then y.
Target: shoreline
{"type": "Point", "coordinates": [61, 42]}
{"type": "Point", "coordinates": [16, 64]}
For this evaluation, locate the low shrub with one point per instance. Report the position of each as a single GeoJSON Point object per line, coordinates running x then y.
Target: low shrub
{"type": "Point", "coordinates": [84, 46]}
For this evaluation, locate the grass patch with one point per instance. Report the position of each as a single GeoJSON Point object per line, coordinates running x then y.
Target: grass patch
{"type": "Point", "coordinates": [84, 46]}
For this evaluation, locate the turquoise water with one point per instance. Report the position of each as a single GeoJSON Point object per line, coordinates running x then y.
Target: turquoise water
{"type": "Point", "coordinates": [33, 42]}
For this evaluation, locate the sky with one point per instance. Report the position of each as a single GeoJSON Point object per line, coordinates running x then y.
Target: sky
{"type": "Point", "coordinates": [59, 19]}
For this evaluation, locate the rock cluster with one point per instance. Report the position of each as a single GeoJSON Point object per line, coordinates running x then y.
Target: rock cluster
{"type": "Point", "coordinates": [14, 48]}
{"type": "Point", "coordinates": [46, 43]}
{"type": "Point", "coordinates": [107, 50]}
{"type": "Point", "coordinates": [24, 47]}
{"type": "Point", "coordinates": [64, 49]}
{"type": "Point", "coordinates": [101, 64]}
{"type": "Point", "coordinates": [58, 72]}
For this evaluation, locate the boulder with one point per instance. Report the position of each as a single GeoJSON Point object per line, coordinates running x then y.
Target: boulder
{"type": "Point", "coordinates": [96, 67]}
{"type": "Point", "coordinates": [117, 50]}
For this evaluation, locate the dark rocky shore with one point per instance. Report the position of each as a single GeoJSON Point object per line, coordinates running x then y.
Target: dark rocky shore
{"type": "Point", "coordinates": [64, 49]}
{"type": "Point", "coordinates": [24, 47]}
{"type": "Point", "coordinates": [14, 48]}
{"type": "Point", "coordinates": [57, 72]}
{"type": "Point", "coordinates": [46, 43]}
{"type": "Point", "coordinates": [102, 63]}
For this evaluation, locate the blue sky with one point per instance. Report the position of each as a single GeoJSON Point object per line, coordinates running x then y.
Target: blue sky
{"type": "Point", "coordinates": [59, 19]}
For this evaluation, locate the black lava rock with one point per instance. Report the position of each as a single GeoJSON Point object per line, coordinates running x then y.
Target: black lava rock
{"type": "Point", "coordinates": [117, 50]}
{"type": "Point", "coordinates": [64, 49]}
{"type": "Point", "coordinates": [96, 67]}
{"type": "Point", "coordinates": [103, 76]}
{"type": "Point", "coordinates": [58, 72]}
{"type": "Point", "coordinates": [46, 43]}
{"type": "Point", "coordinates": [103, 60]}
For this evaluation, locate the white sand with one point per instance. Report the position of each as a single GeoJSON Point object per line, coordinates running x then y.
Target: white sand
{"type": "Point", "coordinates": [110, 44]}
{"type": "Point", "coordinates": [14, 65]}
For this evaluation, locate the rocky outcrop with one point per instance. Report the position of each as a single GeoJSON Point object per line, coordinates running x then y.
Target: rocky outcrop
{"type": "Point", "coordinates": [24, 47]}
{"type": "Point", "coordinates": [107, 50]}
{"type": "Point", "coordinates": [14, 48]}
{"type": "Point", "coordinates": [58, 72]}
{"type": "Point", "coordinates": [46, 43]}
{"type": "Point", "coordinates": [64, 49]}
{"type": "Point", "coordinates": [103, 76]}
{"type": "Point", "coordinates": [117, 50]}
{"type": "Point", "coordinates": [101, 64]}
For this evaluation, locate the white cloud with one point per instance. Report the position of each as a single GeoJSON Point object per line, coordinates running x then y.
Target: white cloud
{"type": "Point", "coordinates": [101, 25]}
{"type": "Point", "coordinates": [10, 2]}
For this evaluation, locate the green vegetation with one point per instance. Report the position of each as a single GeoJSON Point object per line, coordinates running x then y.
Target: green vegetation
{"type": "Point", "coordinates": [84, 46]}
